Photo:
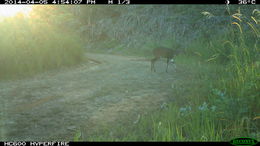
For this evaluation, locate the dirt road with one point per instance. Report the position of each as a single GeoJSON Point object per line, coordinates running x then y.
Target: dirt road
{"type": "Point", "coordinates": [53, 105]}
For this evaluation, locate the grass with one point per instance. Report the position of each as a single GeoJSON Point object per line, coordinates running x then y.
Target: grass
{"type": "Point", "coordinates": [178, 121]}
{"type": "Point", "coordinates": [217, 90]}
{"type": "Point", "coordinates": [200, 111]}
{"type": "Point", "coordinates": [31, 49]}
{"type": "Point", "coordinates": [217, 94]}
{"type": "Point", "coordinates": [170, 124]}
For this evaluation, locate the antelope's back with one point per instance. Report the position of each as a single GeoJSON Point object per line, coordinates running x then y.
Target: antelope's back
{"type": "Point", "coordinates": [163, 52]}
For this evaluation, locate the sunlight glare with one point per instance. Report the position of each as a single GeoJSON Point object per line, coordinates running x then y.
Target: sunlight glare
{"type": "Point", "coordinates": [12, 10]}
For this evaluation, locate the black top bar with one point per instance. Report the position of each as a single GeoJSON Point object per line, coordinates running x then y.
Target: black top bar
{"type": "Point", "coordinates": [125, 2]}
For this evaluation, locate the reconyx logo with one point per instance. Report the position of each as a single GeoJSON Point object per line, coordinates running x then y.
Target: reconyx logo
{"type": "Point", "coordinates": [243, 141]}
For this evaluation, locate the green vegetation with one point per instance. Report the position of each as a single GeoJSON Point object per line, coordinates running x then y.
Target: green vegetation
{"type": "Point", "coordinates": [200, 111]}
{"type": "Point", "coordinates": [216, 94]}
{"type": "Point", "coordinates": [30, 46]}
{"type": "Point", "coordinates": [217, 99]}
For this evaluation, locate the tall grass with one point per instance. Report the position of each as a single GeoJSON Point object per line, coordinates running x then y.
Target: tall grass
{"type": "Point", "coordinates": [243, 83]}
{"type": "Point", "coordinates": [28, 47]}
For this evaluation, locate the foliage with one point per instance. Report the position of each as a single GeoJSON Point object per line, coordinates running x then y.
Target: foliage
{"type": "Point", "coordinates": [222, 106]}
{"type": "Point", "coordinates": [29, 46]}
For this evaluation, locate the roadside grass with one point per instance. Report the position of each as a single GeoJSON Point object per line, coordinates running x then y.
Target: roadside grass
{"type": "Point", "coordinates": [32, 49]}
{"type": "Point", "coordinates": [189, 117]}
{"type": "Point", "coordinates": [216, 94]}
{"type": "Point", "coordinates": [199, 111]}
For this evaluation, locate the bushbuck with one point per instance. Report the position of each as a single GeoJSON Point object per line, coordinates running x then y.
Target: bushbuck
{"type": "Point", "coordinates": [162, 52]}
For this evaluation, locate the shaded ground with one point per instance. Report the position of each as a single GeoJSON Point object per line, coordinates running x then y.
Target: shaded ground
{"type": "Point", "coordinates": [54, 105]}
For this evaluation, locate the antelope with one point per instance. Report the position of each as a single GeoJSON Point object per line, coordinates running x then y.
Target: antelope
{"type": "Point", "coordinates": [162, 52]}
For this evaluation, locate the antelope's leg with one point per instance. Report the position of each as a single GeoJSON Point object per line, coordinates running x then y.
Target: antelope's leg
{"type": "Point", "coordinates": [152, 64]}
{"type": "Point", "coordinates": [167, 64]}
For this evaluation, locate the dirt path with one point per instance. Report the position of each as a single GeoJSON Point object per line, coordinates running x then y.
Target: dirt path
{"type": "Point", "coordinates": [53, 105]}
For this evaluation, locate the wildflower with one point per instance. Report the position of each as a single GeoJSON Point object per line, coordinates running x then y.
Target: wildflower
{"type": "Point", "coordinates": [203, 107]}
{"type": "Point", "coordinates": [184, 110]}
{"type": "Point", "coordinates": [213, 108]}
